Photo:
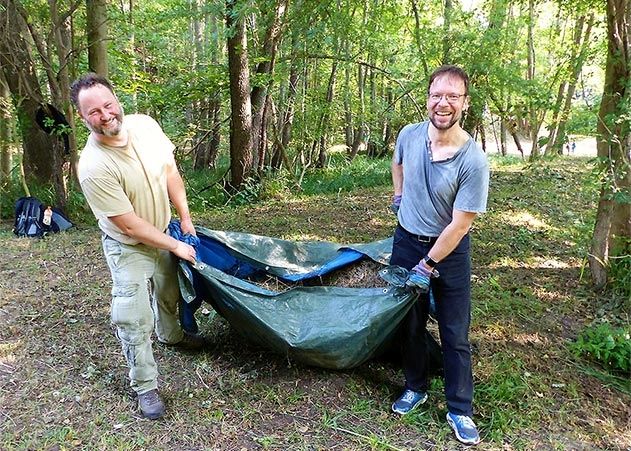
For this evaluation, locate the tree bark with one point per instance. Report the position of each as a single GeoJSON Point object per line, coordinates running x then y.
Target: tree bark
{"type": "Point", "coordinates": [6, 145]}
{"type": "Point", "coordinates": [360, 129]}
{"type": "Point", "coordinates": [612, 231]}
{"type": "Point", "coordinates": [18, 67]}
{"type": "Point", "coordinates": [582, 40]}
{"type": "Point", "coordinates": [96, 30]}
{"type": "Point", "coordinates": [533, 122]}
{"type": "Point", "coordinates": [417, 38]}
{"type": "Point", "coordinates": [286, 119]}
{"type": "Point", "coordinates": [323, 124]}
{"type": "Point", "coordinates": [241, 144]}
{"type": "Point", "coordinates": [264, 70]}
{"type": "Point", "coordinates": [448, 13]}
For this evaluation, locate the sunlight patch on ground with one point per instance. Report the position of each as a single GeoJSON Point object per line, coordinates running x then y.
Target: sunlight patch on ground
{"type": "Point", "coordinates": [525, 219]}
{"type": "Point", "coordinates": [7, 356]}
{"type": "Point", "coordinates": [546, 262]}
{"type": "Point", "coordinates": [543, 262]}
{"type": "Point", "coordinates": [508, 262]}
{"type": "Point", "coordinates": [530, 339]}
{"type": "Point", "coordinates": [497, 331]}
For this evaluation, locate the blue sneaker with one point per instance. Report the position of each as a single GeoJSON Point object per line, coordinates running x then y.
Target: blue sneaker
{"type": "Point", "coordinates": [408, 401]}
{"type": "Point", "coordinates": [464, 428]}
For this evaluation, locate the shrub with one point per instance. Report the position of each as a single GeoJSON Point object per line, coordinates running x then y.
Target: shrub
{"type": "Point", "coordinates": [608, 345]}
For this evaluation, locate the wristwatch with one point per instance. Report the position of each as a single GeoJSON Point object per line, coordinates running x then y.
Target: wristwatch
{"type": "Point", "coordinates": [429, 261]}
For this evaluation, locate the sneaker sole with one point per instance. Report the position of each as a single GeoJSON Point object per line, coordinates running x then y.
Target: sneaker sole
{"type": "Point", "coordinates": [154, 416]}
{"type": "Point", "coordinates": [460, 439]}
{"type": "Point", "coordinates": [401, 412]}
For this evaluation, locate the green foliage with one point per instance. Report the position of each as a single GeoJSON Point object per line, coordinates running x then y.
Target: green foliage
{"type": "Point", "coordinates": [344, 176]}
{"type": "Point", "coordinates": [610, 346]}
{"type": "Point", "coordinates": [582, 120]}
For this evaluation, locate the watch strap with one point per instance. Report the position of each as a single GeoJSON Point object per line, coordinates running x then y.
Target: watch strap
{"type": "Point", "coordinates": [430, 262]}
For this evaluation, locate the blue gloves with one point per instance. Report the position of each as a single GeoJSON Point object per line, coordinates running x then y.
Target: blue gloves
{"type": "Point", "coordinates": [396, 203]}
{"type": "Point", "coordinates": [419, 278]}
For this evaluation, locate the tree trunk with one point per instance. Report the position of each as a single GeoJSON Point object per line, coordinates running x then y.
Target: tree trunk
{"type": "Point", "coordinates": [241, 145]}
{"type": "Point", "coordinates": [286, 119]}
{"type": "Point", "coordinates": [448, 13]}
{"type": "Point", "coordinates": [360, 130]}
{"type": "Point", "coordinates": [19, 71]}
{"type": "Point", "coordinates": [324, 117]}
{"type": "Point", "coordinates": [612, 230]}
{"type": "Point", "coordinates": [6, 145]}
{"type": "Point", "coordinates": [199, 110]}
{"type": "Point", "coordinates": [417, 38]}
{"type": "Point", "coordinates": [578, 59]}
{"type": "Point", "coordinates": [503, 149]}
{"type": "Point", "coordinates": [533, 126]}
{"type": "Point", "coordinates": [215, 100]}
{"type": "Point", "coordinates": [348, 109]}
{"type": "Point", "coordinates": [66, 147]}
{"type": "Point", "coordinates": [264, 70]}
{"type": "Point", "coordinates": [96, 30]}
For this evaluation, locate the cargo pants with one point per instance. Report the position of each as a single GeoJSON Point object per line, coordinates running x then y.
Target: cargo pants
{"type": "Point", "coordinates": [145, 294]}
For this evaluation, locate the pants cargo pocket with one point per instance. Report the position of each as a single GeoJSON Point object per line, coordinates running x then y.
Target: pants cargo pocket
{"type": "Point", "coordinates": [133, 317]}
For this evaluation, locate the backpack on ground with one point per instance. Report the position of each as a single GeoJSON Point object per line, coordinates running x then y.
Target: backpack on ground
{"type": "Point", "coordinates": [30, 222]}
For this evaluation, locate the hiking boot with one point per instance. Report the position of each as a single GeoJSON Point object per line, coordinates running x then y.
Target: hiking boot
{"type": "Point", "coordinates": [151, 405]}
{"type": "Point", "coordinates": [193, 342]}
{"type": "Point", "coordinates": [408, 401]}
{"type": "Point", "coordinates": [464, 428]}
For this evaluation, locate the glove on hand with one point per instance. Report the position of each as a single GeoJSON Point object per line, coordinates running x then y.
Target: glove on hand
{"type": "Point", "coordinates": [419, 278]}
{"type": "Point", "coordinates": [396, 202]}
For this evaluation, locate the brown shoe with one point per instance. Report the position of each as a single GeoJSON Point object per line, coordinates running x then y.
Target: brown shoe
{"type": "Point", "coordinates": [193, 342]}
{"type": "Point", "coordinates": [151, 405]}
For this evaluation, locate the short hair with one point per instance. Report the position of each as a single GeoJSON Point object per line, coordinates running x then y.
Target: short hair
{"type": "Point", "coordinates": [85, 82]}
{"type": "Point", "coordinates": [453, 71]}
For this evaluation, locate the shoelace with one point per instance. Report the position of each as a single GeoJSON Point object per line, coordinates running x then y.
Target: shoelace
{"type": "Point", "coordinates": [408, 396]}
{"type": "Point", "coordinates": [465, 421]}
{"type": "Point", "coordinates": [152, 398]}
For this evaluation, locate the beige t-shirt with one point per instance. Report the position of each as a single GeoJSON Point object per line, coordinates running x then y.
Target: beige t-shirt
{"type": "Point", "coordinates": [119, 180]}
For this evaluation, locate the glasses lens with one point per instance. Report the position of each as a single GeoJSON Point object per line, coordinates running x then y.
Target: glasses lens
{"type": "Point", "coordinates": [451, 98]}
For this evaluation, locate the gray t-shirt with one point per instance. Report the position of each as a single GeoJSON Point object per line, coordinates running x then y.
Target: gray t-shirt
{"type": "Point", "coordinates": [433, 189]}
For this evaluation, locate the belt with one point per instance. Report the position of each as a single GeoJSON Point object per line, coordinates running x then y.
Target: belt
{"type": "Point", "coordinates": [419, 238]}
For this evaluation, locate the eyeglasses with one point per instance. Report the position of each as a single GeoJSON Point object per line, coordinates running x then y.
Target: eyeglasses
{"type": "Point", "coordinates": [451, 98]}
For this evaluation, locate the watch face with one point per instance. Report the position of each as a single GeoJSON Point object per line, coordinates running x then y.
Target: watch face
{"type": "Point", "coordinates": [430, 262]}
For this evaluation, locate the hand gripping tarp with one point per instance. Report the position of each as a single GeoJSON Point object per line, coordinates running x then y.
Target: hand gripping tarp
{"type": "Point", "coordinates": [330, 327]}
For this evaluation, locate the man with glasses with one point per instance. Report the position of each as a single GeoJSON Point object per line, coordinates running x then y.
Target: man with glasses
{"type": "Point", "coordinates": [440, 178]}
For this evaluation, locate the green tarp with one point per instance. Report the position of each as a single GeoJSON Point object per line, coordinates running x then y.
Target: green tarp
{"type": "Point", "coordinates": [325, 326]}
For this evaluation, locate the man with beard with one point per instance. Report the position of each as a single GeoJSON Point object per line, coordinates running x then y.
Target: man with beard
{"type": "Point", "coordinates": [440, 178]}
{"type": "Point", "coordinates": [128, 175]}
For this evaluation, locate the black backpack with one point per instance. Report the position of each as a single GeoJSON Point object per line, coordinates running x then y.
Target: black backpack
{"type": "Point", "coordinates": [29, 218]}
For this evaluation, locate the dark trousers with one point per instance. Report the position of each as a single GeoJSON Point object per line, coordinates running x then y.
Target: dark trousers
{"type": "Point", "coordinates": [452, 296]}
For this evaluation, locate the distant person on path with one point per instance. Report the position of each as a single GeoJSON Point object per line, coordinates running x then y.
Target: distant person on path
{"type": "Point", "coordinates": [440, 178]}
{"type": "Point", "coordinates": [128, 175]}
{"type": "Point", "coordinates": [573, 146]}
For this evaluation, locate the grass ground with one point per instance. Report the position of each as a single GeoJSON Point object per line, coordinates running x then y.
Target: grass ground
{"type": "Point", "coordinates": [63, 379]}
